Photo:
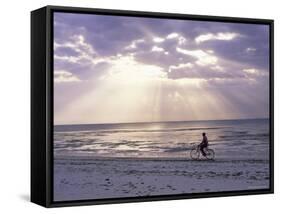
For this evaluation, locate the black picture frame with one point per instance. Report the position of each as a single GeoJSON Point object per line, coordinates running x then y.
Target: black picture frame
{"type": "Point", "coordinates": [42, 104]}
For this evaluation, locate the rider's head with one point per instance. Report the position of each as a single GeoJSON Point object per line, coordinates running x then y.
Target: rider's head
{"type": "Point", "coordinates": [203, 134]}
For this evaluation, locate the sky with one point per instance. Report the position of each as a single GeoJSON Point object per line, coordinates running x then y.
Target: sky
{"type": "Point", "coordinates": [115, 69]}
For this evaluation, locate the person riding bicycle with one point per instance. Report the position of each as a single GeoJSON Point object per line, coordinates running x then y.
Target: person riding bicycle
{"type": "Point", "coordinates": [203, 144]}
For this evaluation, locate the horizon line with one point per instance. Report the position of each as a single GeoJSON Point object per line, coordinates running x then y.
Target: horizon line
{"type": "Point", "coordinates": [73, 124]}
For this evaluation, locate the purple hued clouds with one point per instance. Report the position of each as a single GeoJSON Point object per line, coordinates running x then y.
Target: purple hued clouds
{"type": "Point", "coordinates": [111, 69]}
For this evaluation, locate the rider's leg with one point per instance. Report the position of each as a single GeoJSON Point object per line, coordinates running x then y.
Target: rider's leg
{"type": "Point", "coordinates": [202, 150]}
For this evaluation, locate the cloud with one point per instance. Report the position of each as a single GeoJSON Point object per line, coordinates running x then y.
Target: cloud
{"type": "Point", "coordinates": [62, 76]}
{"type": "Point", "coordinates": [172, 36]}
{"type": "Point", "coordinates": [174, 52]}
{"type": "Point", "coordinates": [134, 44]}
{"type": "Point", "coordinates": [203, 58]}
{"type": "Point", "coordinates": [251, 71]}
{"type": "Point", "coordinates": [180, 66]}
{"type": "Point", "coordinates": [157, 49]}
{"type": "Point", "coordinates": [180, 39]}
{"type": "Point", "coordinates": [118, 32]}
{"type": "Point", "coordinates": [250, 50]}
{"type": "Point", "coordinates": [255, 73]}
{"type": "Point", "coordinates": [74, 50]}
{"type": "Point", "coordinates": [188, 71]}
{"type": "Point", "coordinates": [158, 39]}
{"type": "Point", "coordinates": [219, 36]}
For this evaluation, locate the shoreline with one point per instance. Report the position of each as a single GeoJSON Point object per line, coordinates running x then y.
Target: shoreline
{"type": "Point", "coordinates": [157, 159]}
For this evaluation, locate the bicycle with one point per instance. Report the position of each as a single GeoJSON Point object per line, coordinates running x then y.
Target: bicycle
{"type": "Point", "coordinates": [195, 153]}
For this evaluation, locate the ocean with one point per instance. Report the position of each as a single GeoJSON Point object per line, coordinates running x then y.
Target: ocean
{"type": "Point", "coordinates": [246, 139]}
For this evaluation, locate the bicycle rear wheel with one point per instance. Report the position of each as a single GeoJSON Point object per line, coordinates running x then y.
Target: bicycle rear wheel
{"type": "Point", "coordinates": [210, 154]}
{"type": "Point", "coordinates": [194, 154]}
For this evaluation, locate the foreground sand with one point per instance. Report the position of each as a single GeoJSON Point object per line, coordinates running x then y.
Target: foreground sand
{"type": "Point", "coordinates": [89, 178]}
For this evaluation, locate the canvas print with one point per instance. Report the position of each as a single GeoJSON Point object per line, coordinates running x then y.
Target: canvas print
{"type": "Point", "coordinates": [154, 106]}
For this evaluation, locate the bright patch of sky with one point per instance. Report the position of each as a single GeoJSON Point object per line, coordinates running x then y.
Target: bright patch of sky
{"type": "Point", "coordinates": [110, 69]}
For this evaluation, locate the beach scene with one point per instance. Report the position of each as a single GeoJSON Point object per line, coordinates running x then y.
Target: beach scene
{"type": "Point", "coordinates": [134, 96]}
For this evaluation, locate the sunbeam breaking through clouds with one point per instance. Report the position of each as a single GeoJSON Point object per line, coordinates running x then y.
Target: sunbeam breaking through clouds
{"type": "Point", "coordinates": [112, 69]}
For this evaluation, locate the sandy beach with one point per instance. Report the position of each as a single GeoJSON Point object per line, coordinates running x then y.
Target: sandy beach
{"type": "Point", "coordinates": [93, 178]}
{"type": "Point", "coordinates": [131, 160]}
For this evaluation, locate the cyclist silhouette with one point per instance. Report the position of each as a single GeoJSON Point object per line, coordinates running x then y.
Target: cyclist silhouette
{"type": "Point", "coordinates": [203, 144]}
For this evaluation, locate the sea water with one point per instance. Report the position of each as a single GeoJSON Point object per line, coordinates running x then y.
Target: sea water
{"type": "Point", "coordinates": [230, 139]}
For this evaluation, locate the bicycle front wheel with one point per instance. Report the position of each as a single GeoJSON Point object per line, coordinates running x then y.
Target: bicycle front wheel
{"type": "Point", "coordinates": [194, 154]}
